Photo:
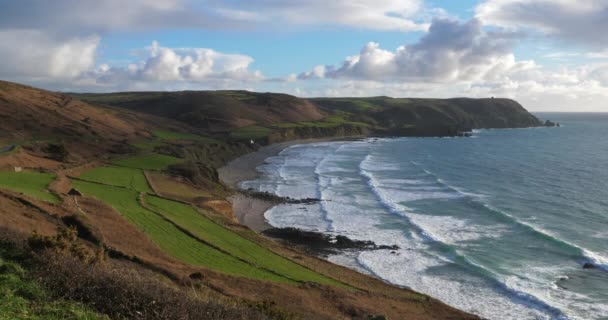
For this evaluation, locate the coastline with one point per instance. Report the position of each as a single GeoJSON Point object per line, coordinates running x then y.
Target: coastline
{"type": "Point", "coordinates": [248, 210]}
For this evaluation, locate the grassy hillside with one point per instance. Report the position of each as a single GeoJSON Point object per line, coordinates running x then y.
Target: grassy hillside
{"type": "Point", "coordinates": [415, 116]}
{"type": "Point", "coordinates": [33, 184]}
{"type": "Point", "coordinates": [214, 111]}
{"type": "Point", "coordinates": [148, 161]}
{"type": "Point", "coordinates": [269, 117]}
{"type": "Point", "coordinates": [188, 218]}
{"type": "Point", "coordinates": [185, 233]}
{"type": "Point", "coordinates": [130, 178]}
{"type": "Point", "coordinates": [169, 238]}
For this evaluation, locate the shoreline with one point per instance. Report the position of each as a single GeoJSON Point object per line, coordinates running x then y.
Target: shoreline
{"type": "Point", "coordinates": [248, 210]}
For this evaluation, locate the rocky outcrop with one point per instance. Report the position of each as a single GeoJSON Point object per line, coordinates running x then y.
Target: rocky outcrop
{"type": "Point", "coordinates": [323, 244]}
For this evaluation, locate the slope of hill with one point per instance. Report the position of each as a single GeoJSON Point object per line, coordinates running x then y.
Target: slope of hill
{"type": "Point", "coordinates": [214, 110]}
{"type": "Point", "coordinates": [271, 117]}
{"type": "Point", "coordinates": [407, 116]}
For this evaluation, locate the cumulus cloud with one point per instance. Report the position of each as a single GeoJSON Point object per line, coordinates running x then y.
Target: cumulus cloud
{"type": "Point", "coordinates": [33, 54]}
{"type": "Point", "coordinates": [573, 20]}
{"type": "Point", "coordinates": [450, 51]}
{"type": "Point", "coordinates": [181, 64]}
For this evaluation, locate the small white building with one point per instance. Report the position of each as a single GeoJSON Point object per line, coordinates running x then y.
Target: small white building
{"type": "Point", "coordinates": [18, 169]}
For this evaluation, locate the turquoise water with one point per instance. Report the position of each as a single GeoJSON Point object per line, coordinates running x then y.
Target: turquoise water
{"type": "Point", "coordinates": [499, 224]}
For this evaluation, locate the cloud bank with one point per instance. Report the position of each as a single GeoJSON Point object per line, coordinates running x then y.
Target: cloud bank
{"type": "Point", "coordinates": [583, 22]}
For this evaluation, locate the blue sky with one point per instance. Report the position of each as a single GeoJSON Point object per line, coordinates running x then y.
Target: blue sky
{"type": "Point", "coordinates": [551, 55]}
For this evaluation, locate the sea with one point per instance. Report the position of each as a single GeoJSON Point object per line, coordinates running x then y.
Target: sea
{"type": "Point", "coordinates": [500, 224]}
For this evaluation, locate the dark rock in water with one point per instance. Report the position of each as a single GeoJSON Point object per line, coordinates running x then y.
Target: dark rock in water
{"type": "Point", "coordinates": [589, 265]}
{"type": "Point", "coordinates": [319, 243]}
{"type": "Point", "coordinates": [550, 123]}
{"type": "Point", "coordinates": [271, 197]}
{"type": "Point", "coordinates": [465, 134]}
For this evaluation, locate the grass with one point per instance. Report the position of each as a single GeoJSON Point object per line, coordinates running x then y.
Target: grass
{"type": "Point", "coordinates": [169, 238]}
{"type": "Point", "coordinates": [21, 298]}
{"type": "Point", "coordinates": [151, 161]}
{"type": "Point", "coordinates": [190, 219]}
{"type": "Point", "coordinates": [147, 145]}
{"type": "Point", "coordinates": [329, 122]}
{"type": "Point", "coordinates": [118, 176]}
{"type": "Point", "coordinates": [172, 188]}
{"type": "Point", "coordinates": [33, 184]}
{"type": "Point", "coordinates": [172, 135]}
{"type": "Point", "coordinates": [251, 132]}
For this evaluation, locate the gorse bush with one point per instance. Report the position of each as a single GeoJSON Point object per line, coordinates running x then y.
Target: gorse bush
{"type": "Point", "coordinates": [66, 243]}
{"type": "Point", "coordinates": [126, 294]}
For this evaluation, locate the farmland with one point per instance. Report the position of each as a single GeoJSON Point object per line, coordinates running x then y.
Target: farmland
{"type": "Point", "coordinates": [188, 218]}
{"type": "Point", "coordinates": [33, 184]}
{"type": "Point", "coordinates": [118, 176]}
{"type": "Point", "coordinates": [150, 161]}
{"type": "Point", "coordinates": [168, 237]}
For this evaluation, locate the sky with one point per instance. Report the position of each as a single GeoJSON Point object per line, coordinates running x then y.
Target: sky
{"type": "Point", "coordinates": [550, 55]}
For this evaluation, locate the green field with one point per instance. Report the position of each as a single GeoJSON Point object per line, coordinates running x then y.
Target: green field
{"type": "Point", "coordinates": [148, 144]}
{"type": "Point", "coordinates": [329, 122]}
{"type": "Point", "coordinates": [151, 161]}
{"type": "Point", "coordinates": [172, 135]}
{"type": "Point", "coordinates": [118, 176]}
{"type": "Point", "coordinates": [251, 132]}
{"type": "Point", "coordinates": [33, 184]}
{"type": "Point", "coordinates": [188, 218]}
{"type": "Point", "coordinates": [21, 298]}
{"type": "Point", "coordinates": [168, 237]}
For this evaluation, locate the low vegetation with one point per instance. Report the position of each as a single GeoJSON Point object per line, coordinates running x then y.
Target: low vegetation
{"type": "Point", "coordinates": [150, 161]}
{"type": "Point", "coordinates": [171, 187]}
{"type": "Point", "coordinates": [251, 132]}
{"type": "Point", "coordinates": [23, 298]}
{"type": "Point", "coordinates": [118, 176]}
{"type": "Point", "coordinates": [190, 219]}
{"type": "Point", "coordinates": [33, 184]}
{"type": "Point", "coordinates": [172, 135]}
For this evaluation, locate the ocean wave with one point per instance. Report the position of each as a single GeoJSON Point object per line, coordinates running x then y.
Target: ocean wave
{"type": "Point", "coordinates": [586, 256]}
{"type": "Point", "coordinates": [452, 253]}
{"type": "Point", "coordinates": [321, 184]}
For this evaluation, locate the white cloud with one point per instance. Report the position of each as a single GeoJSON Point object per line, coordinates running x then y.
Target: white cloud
{"type": "Point", "coordinates": [30, 53]}
{"type": "Point", "coordinates": [368, 14]}
{"type": "Point", "coordinates": [64, 16]}
{"type": "Point", "coordinates": [451, 51]}
{"type": "Point", "coordinates": [195, 65]}
{"type": "Point", "coordinates": [576, 21]}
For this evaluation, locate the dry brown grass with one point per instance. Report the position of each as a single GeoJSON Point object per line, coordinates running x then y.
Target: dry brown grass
{"type": "Point", "coordinates": [177, 188]}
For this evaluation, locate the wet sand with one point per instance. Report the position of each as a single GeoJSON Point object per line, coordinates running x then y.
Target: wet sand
{"type": "Point", "coordinates": [250, 211]}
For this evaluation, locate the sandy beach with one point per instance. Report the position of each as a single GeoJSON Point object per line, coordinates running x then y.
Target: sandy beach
{"type": "Point", "coordinates": [250, 211]}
